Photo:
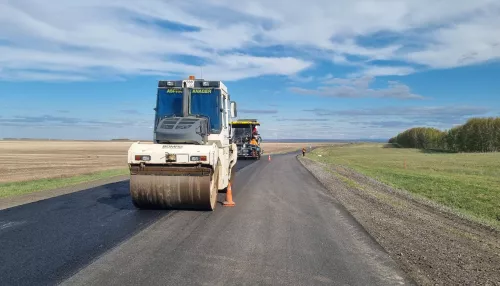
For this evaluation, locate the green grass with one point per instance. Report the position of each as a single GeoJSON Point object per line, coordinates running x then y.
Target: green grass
{"type": "Point", "coordinates": [468, 183]}
{"type": "Point", "coordinates": [25, 187]}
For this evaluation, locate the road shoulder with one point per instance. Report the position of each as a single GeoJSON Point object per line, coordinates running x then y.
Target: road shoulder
{"type": "Point", "coordinates": [13, 201]}
{"type": "Point", "coordinates": [433, 246]}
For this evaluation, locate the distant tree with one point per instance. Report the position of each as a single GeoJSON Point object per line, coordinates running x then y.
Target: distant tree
{"type": "Point", "coordinates": [420, 137]}
{"type": "Point", "coordinates": [476, 135]}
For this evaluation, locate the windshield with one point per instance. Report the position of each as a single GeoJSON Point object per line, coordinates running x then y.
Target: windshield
{"type": "Point", "coordinates": [242, 131]}
{"type": "Point", "coordinates": [169, 102]}
{"type": "Point", "coordinates": [204, 102]}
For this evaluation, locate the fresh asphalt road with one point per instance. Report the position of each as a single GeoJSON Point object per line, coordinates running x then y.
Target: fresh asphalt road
{"type": "Point", "coordinates": [284, 230]}
{"type": "Point", "coordinates": [44, 242]}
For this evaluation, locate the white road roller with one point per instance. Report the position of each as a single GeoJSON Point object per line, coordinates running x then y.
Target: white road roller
{"type": "Point", "coordinates": [192, 157]}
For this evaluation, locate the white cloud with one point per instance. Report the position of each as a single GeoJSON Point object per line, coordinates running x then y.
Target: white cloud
{"type": "Point", "coordinates": [239, 36]}
{"type": "Point", "coordinates": [359, 88]}
{"type": "Point", "coordinates": [88, 39]}
{"type": "Point", "coordinates": [383, 71]}
{"type": "Point", "coordinates": [41, 76]}
{"type": "Point", "coordinates": [382, 122]}
{"type": "Point", "coordinates": [392, 118]}
{"type": "Point", "coordinates": [231, 67]}
{"type": "Point", "coordinates": [466, 43]}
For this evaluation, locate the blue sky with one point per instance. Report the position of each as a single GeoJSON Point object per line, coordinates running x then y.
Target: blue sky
{"type": "Point", "coordinates": [326, 69]}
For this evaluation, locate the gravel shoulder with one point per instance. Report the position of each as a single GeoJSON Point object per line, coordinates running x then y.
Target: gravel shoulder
{"type": "Point", "coordinates": [433, 245]}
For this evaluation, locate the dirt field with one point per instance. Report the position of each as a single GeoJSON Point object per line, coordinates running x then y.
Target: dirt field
{"type": "Point", "coordinates": [288, 147]}
{"type": "Point", "coordinates": [30, 160]}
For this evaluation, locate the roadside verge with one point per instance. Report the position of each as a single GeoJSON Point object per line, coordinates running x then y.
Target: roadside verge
{"type": "Point", "coordinates": [432, 245]}
{"type": "Point", "coordinates": [19, 193]}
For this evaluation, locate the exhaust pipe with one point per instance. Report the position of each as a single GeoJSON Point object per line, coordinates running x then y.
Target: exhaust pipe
{"type": "Point", "coordinates": [186, 100]}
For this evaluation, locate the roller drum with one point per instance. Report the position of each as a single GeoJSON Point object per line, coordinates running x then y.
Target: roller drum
{"type": "Point", "coordinates": [174, 188]}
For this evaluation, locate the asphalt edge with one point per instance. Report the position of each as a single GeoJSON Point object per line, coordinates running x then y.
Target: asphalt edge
{"type": "Point", "coordinates": [359, 225]}
{"type": "Point", "coordinates": [14, 201]}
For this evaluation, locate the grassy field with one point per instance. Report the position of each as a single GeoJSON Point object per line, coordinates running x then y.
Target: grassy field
{"type": "Point", "coordinates": [25, 187]}
{"type": "Point", "coordinates": [31, 166]}
{"type": "Point", "coordinates": [469, 183]}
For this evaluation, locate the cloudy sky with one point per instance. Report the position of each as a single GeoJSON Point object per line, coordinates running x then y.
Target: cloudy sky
{"type": "Point", "coordinates": [88, 69]}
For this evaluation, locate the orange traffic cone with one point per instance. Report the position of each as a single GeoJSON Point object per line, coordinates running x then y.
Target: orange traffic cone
{"type": "Point", "coordinates": [229, 197]}
{"type": "Point", "coordinates": [269, 158]}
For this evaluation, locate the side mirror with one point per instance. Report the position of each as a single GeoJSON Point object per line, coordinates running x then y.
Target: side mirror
{"type": "Point", "coordinates": [234, 112]}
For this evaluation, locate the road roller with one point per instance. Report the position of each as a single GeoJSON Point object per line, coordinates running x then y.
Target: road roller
{"type": "Point", "coordinates": [192, 156]}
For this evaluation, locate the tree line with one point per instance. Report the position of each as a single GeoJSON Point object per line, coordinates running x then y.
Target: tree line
{"type": "Point", "coordinates": [476, 135]}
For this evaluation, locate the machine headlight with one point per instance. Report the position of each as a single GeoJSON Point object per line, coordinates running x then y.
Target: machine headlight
{"type": "Point", "coordinates": [170, 83]}
{"type": "Point", "coordinates": [171, 157]}
{"type": "Point", "coordinates": [142, 158]}
{"type": "Point", "coordinates": [206, 83]}
{"type": "Point", "coordinates": [198, 158]}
